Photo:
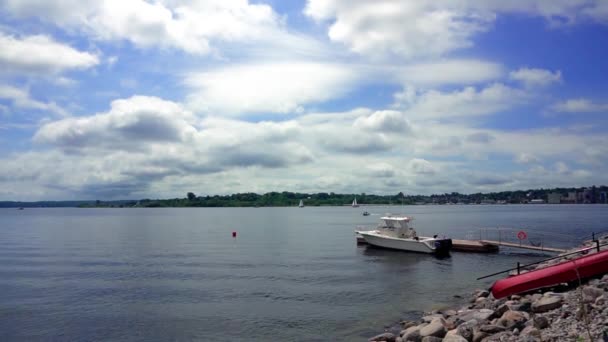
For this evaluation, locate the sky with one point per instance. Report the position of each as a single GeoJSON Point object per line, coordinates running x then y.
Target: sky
{"type": "Point", "coordinates": [138, 99]}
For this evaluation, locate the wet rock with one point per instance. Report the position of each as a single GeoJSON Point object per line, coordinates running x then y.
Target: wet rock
{"type": "Point", "coordinates": [408, 324]}
{"type": "Point", "coordinates": [387, 337]}
{"type": "Point", "coordinates": [541, 322]}
{"type": "Point", "coordinates": [491, 329]}
{"type": "Point", "coordinates": [449, 313]}
{"type": "Point", "coordinates": [435, 328]}
{"type": "Point", "coordinates": [546, 304]}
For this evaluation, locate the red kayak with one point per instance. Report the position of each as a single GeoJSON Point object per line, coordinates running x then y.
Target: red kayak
{"type": "Point", "coordinates": [587, 266]}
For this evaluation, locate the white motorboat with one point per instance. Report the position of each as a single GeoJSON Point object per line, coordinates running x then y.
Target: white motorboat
{"type": "Point", "coordinates": [394, 232]}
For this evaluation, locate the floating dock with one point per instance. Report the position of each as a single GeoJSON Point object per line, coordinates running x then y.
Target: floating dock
{"type": "Point", "coordinates": [524, 246]}
{"type": "Point", "coordinates": [473, 246]}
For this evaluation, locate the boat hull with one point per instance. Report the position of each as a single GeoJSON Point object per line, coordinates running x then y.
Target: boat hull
{"type": "Point", "coordinates": [410, 245]}
{"type": "Point", "coordinates": [568, 271]}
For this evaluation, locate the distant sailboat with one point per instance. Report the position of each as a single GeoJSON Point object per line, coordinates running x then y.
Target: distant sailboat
{"type": "Point", "coordinates": [354, 205]}
{"type": "Point", "coordinates": [301, 205]}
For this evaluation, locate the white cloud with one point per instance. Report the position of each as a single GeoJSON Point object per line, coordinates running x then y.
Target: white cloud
{"type": "Point", "coordinates": [41, 54]}
{"type": "Point", "coordinates": [536, 77]}
{"type": "Point", "coordinates": [128, 123]}
{"type": "Point", "coordinates": [469, 101]}
{"type": "Point", "coordinates": [425, 28]}
{"type": "Point", "coordinates": [449, 72]}
{"type": "Point", "coordinates": [409, 29]}
{"type": "Point", "coordinates": [579, 106]}
{"type": "Point", "coordinates": [274, 88]}
{"type": "Point", "coordinates": [21, 98]}
{"type": "Point", "coordinates": [422, 167]}
{"type": "Point", "coordinates": [191, 26]}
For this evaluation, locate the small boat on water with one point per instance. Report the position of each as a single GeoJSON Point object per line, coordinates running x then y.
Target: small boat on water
{"type": "Point", "coordinates": [354, 204]}
{"type": "Point", "coordinates": [567, 271]}
{"type": "Point", "coordinates": [301, 205]}
{"type": "Point", "coordinates": [365, 213]}
{"type": "Point", "coordinates": [394, 232]}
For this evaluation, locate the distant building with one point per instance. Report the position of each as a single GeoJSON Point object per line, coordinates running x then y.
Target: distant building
{"type": "Point", "coordinates": [570, 198]}
{"type": "Point", "coordinates": [587, 196]}
{"type": "Point", "coordinates": [537, 201]}
{"type": "Point", "coordinates": [554, 198]}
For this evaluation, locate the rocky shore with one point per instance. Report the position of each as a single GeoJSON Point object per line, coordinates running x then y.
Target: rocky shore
{"type": "Point", "coordinates": [575, 313]}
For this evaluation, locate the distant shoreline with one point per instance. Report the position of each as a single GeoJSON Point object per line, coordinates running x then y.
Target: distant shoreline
{"type": "Point", "coordinates": [583, 195]}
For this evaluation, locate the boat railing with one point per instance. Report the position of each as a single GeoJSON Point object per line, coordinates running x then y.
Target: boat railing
{"type": "Point", "coordinates": [519, 267]}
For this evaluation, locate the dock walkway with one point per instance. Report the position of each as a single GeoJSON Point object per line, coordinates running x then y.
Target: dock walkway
{"type": "Point", "coordinates": [524, 246]}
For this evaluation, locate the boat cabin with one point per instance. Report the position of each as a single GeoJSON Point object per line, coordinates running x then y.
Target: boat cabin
{"type": "Point", "coordinates": [397, 226]}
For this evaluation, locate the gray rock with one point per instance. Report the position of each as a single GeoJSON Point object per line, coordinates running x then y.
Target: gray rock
{"type": "Point", "coordinates": [515, 297]}
{"type": "Point", "coordinates": [590, 293]}
{"type": "Point", "coordinates": [411, 334]}
{"type": "Point", "coordinates": [454, 338]}
{"type": "Point", "coordinates": [479, 315]}
{"type": "Point", "coordinates": [398, 339]}
{"type": "Point", "coordinates": [513, 319]}
{"type": "Point", "coordinates": [530, 331]}
{"type": "Point", "coordinates": [600, 301]}
{"type": "Point", "coordinates": [536, 297]}
{"type": "Point", "coordinates": [541, 322]}
{"type": "Point", "coordinates": [449, 313]}
{"type": "Point", "coordinates": [466, 330]}
{"type": "Point", "coordinates": [408, 324]}
{"type": "Point", "coordinates": [479, 335]}
{"type": "Point", "coordinates": [546, 304]}
{"type": "Point", "coordinates": [491, 329]}
{"type": "Point", "coordinates": [500, 311]}
{"type": "Point", "coordinates": [432, 339]}
{"type": "Point", "coordinates": [482, 293]}
{"type": "Point", "coordinates": [452, 322]}
{"type": "Point", "coordinates": [430, 318]}
{"type": "Point", "coordinates": [388, 337]}
{"type": "Point", "coordinates": [435, 328]}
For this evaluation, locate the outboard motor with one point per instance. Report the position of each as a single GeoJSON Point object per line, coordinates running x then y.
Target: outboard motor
{"type": "Point", "coordinates": [443, 246]}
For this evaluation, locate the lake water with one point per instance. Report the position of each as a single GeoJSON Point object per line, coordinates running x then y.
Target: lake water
{"type": "Point", "coordinates": [291, 274]}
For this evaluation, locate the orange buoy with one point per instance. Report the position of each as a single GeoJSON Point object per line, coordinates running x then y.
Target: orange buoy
{"type": "Point", "coordinates": [233, 234]}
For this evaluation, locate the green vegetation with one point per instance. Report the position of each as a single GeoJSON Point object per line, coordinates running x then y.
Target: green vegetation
{"type": "Point", "coordinates": [288, 199]}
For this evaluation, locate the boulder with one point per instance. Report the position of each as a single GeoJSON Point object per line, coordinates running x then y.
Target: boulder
{"type": "Point", "coordinates": [430, 318]}
{"type": "Point", "coordinates": [513, 319]}
{"type": "Point", "coordinates": [530, 331]}
{"type": "Point", "coordinates": [435, 328]}
{"type": "Point", "coordinates": [590, 293]}
{"type": "Point", "coordinates": [541, 322]}
{"type": "Point", "coordinates": [600, 301]}
{"type": "Point", "coordinates": [453, 322]}
{"type": "Point", "coordinates": [408, 324]}
{"type": "Point", "coordinates": [411, 334]}
{"type": "Point", "coordinates": [432, 339]}
{"type": "Point", "coordinates": [500, 311]}
{"type": "Point", "coordinates": [479, 335]}
{"type": "Point", "coordinates": [548, 303]}
{"type": "Point", "coordinates": [387, 337]}
{"type": "Point", "coordinates": [454, 338]}
{"type": "Point", "coordinates": [491, 329]}
{"type": "Point", "coordinates": [466, 330]}
{"type": "Point", "coordinates": [479, 315]}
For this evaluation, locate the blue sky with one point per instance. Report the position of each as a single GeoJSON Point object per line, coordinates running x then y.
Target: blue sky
{"type": "Point", "coordinates": [132, 99]}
